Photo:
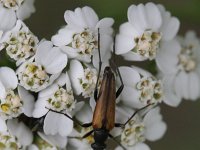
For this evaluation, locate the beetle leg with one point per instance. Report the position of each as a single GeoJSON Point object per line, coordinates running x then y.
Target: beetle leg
{"type": "Point", "coordinates": [75, 121]}
{"type": "Point", "coordinates": [88, 134]}
{"type": "Point", "coordinates": [119, 91]}
{"type": "Point", "coordinates": [119, 125]}
{"type": "Point", "coordinates": [116, 141]}
{"type": "Point", "coordinates": [137, 111]}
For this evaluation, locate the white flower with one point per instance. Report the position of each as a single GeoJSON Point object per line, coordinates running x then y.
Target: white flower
{"type": "Point", "coordinates": [151, 128]}
{"type": "Point", "coordinates": [148, 26]}
{"type": "Point", "coordinates": [15, 136]}
{"type": "Point", "coordinates": [14, 100]}
{"type": "Point", "coordinates": [58, 97]}
{"type": "Point", "coordinates": [8, 141]}
{"type": "Point", "coordinates": [19, 43]}
{"type": "Point", "coordinates": [11, 10]}
{"type": "Point", "coordinates": [15, 127]}
{"type": "Point", "coordinates": [83, 78]}
{"type": "Point", "coordinates": [140, 88]}
{"type": "Point", "coordinates": [180, 66]}
{"type": "Point", "coordinates": [41, 70]}
{"type": "Point", "coordinates": [79, 38]}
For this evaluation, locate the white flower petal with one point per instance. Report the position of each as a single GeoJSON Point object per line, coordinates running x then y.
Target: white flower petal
{"type": "Point", "coordinates": [85, 115]}
{"type": "Point", "coordinates": [61, 81]}
{"type": "Point", "coordinates": [48, 91]}
{"type": "Point", "coordinates": [33, 147]}
{"type": "Point", "coordinates": [78, 107]}
{"type": "Point", "coordinates": [155, 127]}
{"type": "Point", "coordinates": [76, 72]}
{"type": "Point", "coordinates": [79, 144]}
{"type": "Point", "coordinates": [75, 18]}
{"type": "Point", "coordinates": [28, 101]}
{"type": "Point", "coordinates": [141, 146]}
{"type": "Point", "coordinates": [23, 133]}
{"type": "Point", "coordinates": [123, 113]}
{"type": "Point", "coordinates": [26, 9]}
{"type": "Point", "coordinates": [134, 19]}
{"type": "Point", "coordinates": [2, 91]}
{"type": "Point", "coordinates": [51, 126]}
{"type": "Point", "coordinates": [132, 56]}
{"type": "Point", "coordinates": [3, 126]}
{"type": "Point", "coordinates": [42, 50]}
{"type": "Point", "coordinates": [55, 140]}
{"type": "Point", "coordinates": [124, 44]}
{"type": "Point", "coordinates": [154, 18]}
{"type": "Point", "coordinates": [7, 18]}
{"type": "Point", "coordinates": [92, 103]}
{"type": "Point", "coordinates": [194, 86]}
{"type": "Point", "coordinates": [130, 76]}
{"type": "Point", "coordinates": [130, 97]}
{"type": "Point", "coordinates": [170, 25]}
{"type": "Point", "coordinates": [128, 29]}
{"type": "Point", "coordinates": [64, 36]}
{"type": "Point", "coordinates": [170, 30]}
{"type": "Point", "coordinates": [181, 85]}
{"type": "Point", "coordinates": [40, 109]}
{"type": "Point", "coordinates": [56, 61]}
{"type": "Point", "coordinates": [105, 50]}
{"type": "Point", "coordinates": [167, 58]}
{"type": "Point", "coordinates": [8, 78]}
{"type": "Point", "coordinates": [71, 52]}
{"type": "Point", "coordinates": [170, 97]}
{"type": "Point", "coordinates": [137, 17]}
{"type": "Point", "coordinates": [142, 72]}
{"type": "Point", "coordinates": [1, 34]}
{"type": "Point", "coordinates": [90, 16]}
{"type": "Point", "coordinates": [105, 26]}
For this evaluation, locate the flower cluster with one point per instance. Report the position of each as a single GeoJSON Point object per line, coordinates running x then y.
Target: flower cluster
{"type": "Point", "coordinates": [54, 81]}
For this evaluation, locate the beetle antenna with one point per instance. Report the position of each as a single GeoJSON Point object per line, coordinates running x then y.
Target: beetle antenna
{"type": "Point", "coordinates": [100, 64]}
{"type": "Point", "coordinates": [117, 69]}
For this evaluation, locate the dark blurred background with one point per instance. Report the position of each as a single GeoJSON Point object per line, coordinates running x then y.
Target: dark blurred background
{"type": "Point", "coordinates": [183, 131]}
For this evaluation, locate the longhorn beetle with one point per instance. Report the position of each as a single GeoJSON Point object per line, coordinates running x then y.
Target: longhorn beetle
{"type": "Point", "coordinates": [104, 113]}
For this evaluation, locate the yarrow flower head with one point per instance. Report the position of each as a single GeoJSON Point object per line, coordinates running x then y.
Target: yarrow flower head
{"type": "Point", "coordinates": [12, 138]}
{"type": "Point", "coordinates": [79, 38]}
{"type": "Point", "coordinates": [139, 129]}
{"type": "Point", "coordinates": [19, 43]}
{"type": "Point", "coordinates": [8, 141]}
{"type": "Point", "coordinates": [11, 10]}
{"type": "Point", "coordinates": [181, 72]}
{"type": "Point", "coordinates": [148, 26]}
{"type": "Point", "coordinates": [58, 97]}
{"type": "Point", "coordinates": [14, 100]}
{"type": "Point", "coordinates": [42, 69]}
{"type": "Point", "coordinates": [83, 77]}
{"type": "Point", "coordinates": [141, 88]}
